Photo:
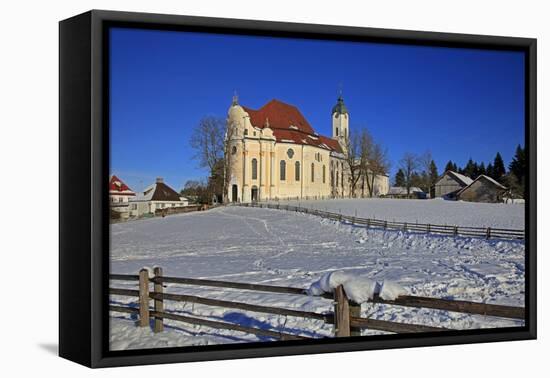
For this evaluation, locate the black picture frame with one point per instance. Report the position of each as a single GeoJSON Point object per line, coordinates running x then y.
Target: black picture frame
{"type": "Point", "coordinates": [84, 164]}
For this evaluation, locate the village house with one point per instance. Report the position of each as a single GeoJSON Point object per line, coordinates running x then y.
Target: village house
{"type": "Point", "coordinates": [401, 192]}
{"type": "Point", "coordinates": [155, 198]}
{"type": "Point", "coordinates": [274, 153]}
{"type": "Point", "coordinates": [450, 183]}
{"type": "Point", "coordinates": [483, 189]}
{"type": "Point", "coordinates": [119, 198]}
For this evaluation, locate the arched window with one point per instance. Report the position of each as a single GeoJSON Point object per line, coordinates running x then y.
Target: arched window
{"type": "Point", "coordinates": [312, 172]}
{"type": "Point", "coordinates": [324, 173]}
{"type": "Point", "coordinates": [331, 177]}
{"type": "Point", "coordinates": [336, 131]}
{"type": "Point", "coordinates": [297, 171]}
{"type": "Point", "coordinates": [337, 178]}
{"type": "Point", "coordinates": [254, 169]}
{"type": "Point", "coordinates": [282, 170]}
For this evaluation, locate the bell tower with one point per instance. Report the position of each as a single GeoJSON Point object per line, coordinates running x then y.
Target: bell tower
{"type": "Point", "coordinates": [340, 121]}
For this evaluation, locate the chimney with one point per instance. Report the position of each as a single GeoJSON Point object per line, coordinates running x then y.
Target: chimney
{"type": "Point", "coordinates": [160, 180]}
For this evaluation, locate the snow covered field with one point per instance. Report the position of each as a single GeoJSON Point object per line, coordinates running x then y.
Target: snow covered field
{"type": "Point", "coordinates": [436, 211]}
{"type": "Point", "coordinates": [284, 248]}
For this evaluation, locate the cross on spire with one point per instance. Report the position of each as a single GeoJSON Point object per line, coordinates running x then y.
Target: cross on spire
{"type": "Point", "coordinates": [235, 98]}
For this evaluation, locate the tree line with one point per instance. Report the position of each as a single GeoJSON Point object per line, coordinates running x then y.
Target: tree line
{"type": "Point", "coordinates": [421, 171]}
{"type": "Point", "coordinates": [417, 171]}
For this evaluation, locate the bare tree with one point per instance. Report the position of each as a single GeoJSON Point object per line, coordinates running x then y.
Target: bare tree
{"type": "Point", "coordinates": [377, 165]}
{"type": "Point", "coordinates": [353, 158]}
{"type": "Point", "coordinates": [424, 164]}
{"type": "Point", "coordinates": [409, 165]}
{"type": "Point", "coordinates": [208, 139]}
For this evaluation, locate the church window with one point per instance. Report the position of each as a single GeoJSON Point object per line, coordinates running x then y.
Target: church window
{"type": "Point", "coordinates": [324, 174]}
{"type": "Point", "coordinates": [254, 169]}
{"type": "Point", "coordinates": [312, 172]}
{"type": "Point", "coordinates": [297, 171]}
{"type": "Point", "coordinates": [233, 150]}
{"type": "Point", "coordinates": [336, 131]}
{"type": "Point", "coordinates": [245, 131]}
{"type": "Point", "coordinates": [283, 170]}
{"type": "Point", "coordinates": [290, 153]}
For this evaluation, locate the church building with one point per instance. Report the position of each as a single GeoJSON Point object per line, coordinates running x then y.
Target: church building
{"type": "Point", "coordinates": [274, 153]}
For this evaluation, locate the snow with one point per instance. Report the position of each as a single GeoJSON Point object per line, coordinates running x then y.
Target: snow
{"type": "Point", "coordinates": [357, 288]}
{"type": "Point", "coordinates": [391, 290]}
{"type": "Point", "coordinates": [284, 248]}
{"type": "Point", "coordinates": [434, 211]}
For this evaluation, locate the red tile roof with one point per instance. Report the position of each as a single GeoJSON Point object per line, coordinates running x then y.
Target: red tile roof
{"type": "Point", "coordinates": [289, 124]}
{"type": "Point", "coordinates": [117, 185]}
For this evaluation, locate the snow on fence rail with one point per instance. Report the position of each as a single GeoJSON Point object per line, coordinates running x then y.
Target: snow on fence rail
{"type": "Point", "coordinates": [346, 316]}
{"type": "Point", "coordinates": [486, 232]}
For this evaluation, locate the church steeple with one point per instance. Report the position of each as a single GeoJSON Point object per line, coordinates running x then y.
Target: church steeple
{"type": "Point", "coordinates": [340, 121]}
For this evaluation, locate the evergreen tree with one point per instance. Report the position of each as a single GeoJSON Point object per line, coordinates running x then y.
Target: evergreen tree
{"type": "Point", "coordinates": [455, 167]}
{"type": "Point", "coordinates": [482, 170]}
{"type": "Point", "coordinates": [450, 166]}
{"type": "Point", "coordinates": [469, 169]}
{"type": "Point", "coordinates": [399, 178]}
{"type": "Point", "coordinates": [490, 171]}
{"type": "Point", "coordinates": [498, 167]}
{"type": "Point", "coordinates": [518, 169]}
{"type": "Point", "coordinates": [518, 165]}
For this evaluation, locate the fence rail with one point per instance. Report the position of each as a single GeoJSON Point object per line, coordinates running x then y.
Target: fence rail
{"type": "Point", "coordinates": [346, 316]}
{"type": "Point", "coordinates": [485, 232]}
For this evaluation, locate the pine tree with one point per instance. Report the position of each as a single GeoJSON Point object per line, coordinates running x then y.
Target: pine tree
{"type": "Point", "coordinates": [450, 166]}
{"type": "Point", "coordinates": [518, 169]}
{"type": "Point", "coordinates": [518, 165]}
{"type": "Point", "coordinates": [469, 169]}
{"type": "Point", "coordinates": [490, 171]}
{"type": "Point", "coordinates": [400, 178]}
{"type": "Point", "coordinates": [455, 167]}
{"type": "Point", "coordinates": [498, 167]}
{"type": "Point", "coordinates": [482, 170]}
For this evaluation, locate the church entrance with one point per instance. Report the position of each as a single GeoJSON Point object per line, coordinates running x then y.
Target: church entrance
{"type": "Point", "coordinates": [254, 194]}
{"type": "Point", "coordinates": [234, 193]}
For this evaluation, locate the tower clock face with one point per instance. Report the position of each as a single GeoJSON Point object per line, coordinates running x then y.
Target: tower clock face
{"type": "Point", "coordinates": [290, 153]}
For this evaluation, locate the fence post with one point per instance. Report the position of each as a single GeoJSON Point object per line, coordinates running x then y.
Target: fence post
{"type": "Point", "coordinates": [355, 312]}
{"type": "Point", "coordinates": [428, 230]}
{"type": "Point", "coordinates": [143, 298]}
{"type": "Point", "coordinates": [341, 313]}
{"type": "Point", "coordinates": [159, 305]}
{"type": "Point", "coordinates": [455, 231]}
{"type": "Point", "coordinates": [488, 232]}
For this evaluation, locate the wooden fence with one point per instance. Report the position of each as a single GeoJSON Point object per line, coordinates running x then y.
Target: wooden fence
{"type": "Point", "coordinates": [484, 232]}
{"type": "Point", "coordinates": [346, 317]}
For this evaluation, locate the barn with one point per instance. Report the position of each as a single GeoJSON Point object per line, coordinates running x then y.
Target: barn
{"type": "Point", "coordinates": [483, 189]}
{"type": "Point", "coordinates": [450, 183]}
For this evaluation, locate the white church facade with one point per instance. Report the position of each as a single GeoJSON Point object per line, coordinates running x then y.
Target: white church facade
{"type": "Point", "coordinates": [274, 153]}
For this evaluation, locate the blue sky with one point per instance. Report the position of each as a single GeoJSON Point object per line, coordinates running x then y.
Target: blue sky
{"type": "Point", "coordinates": [457, 103]}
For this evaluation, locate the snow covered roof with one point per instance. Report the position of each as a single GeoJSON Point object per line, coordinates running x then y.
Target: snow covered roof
{"type": "Point", "coordinates": [464, 180]}
{"type": "Point", "coordinates": [486, 178]}
{"type": "Point", "coordinates": [396, 190]}
{"type": "Point", "coordinates": [118, 187]}
{"type": "Point", "coordinates": [158, 191]}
